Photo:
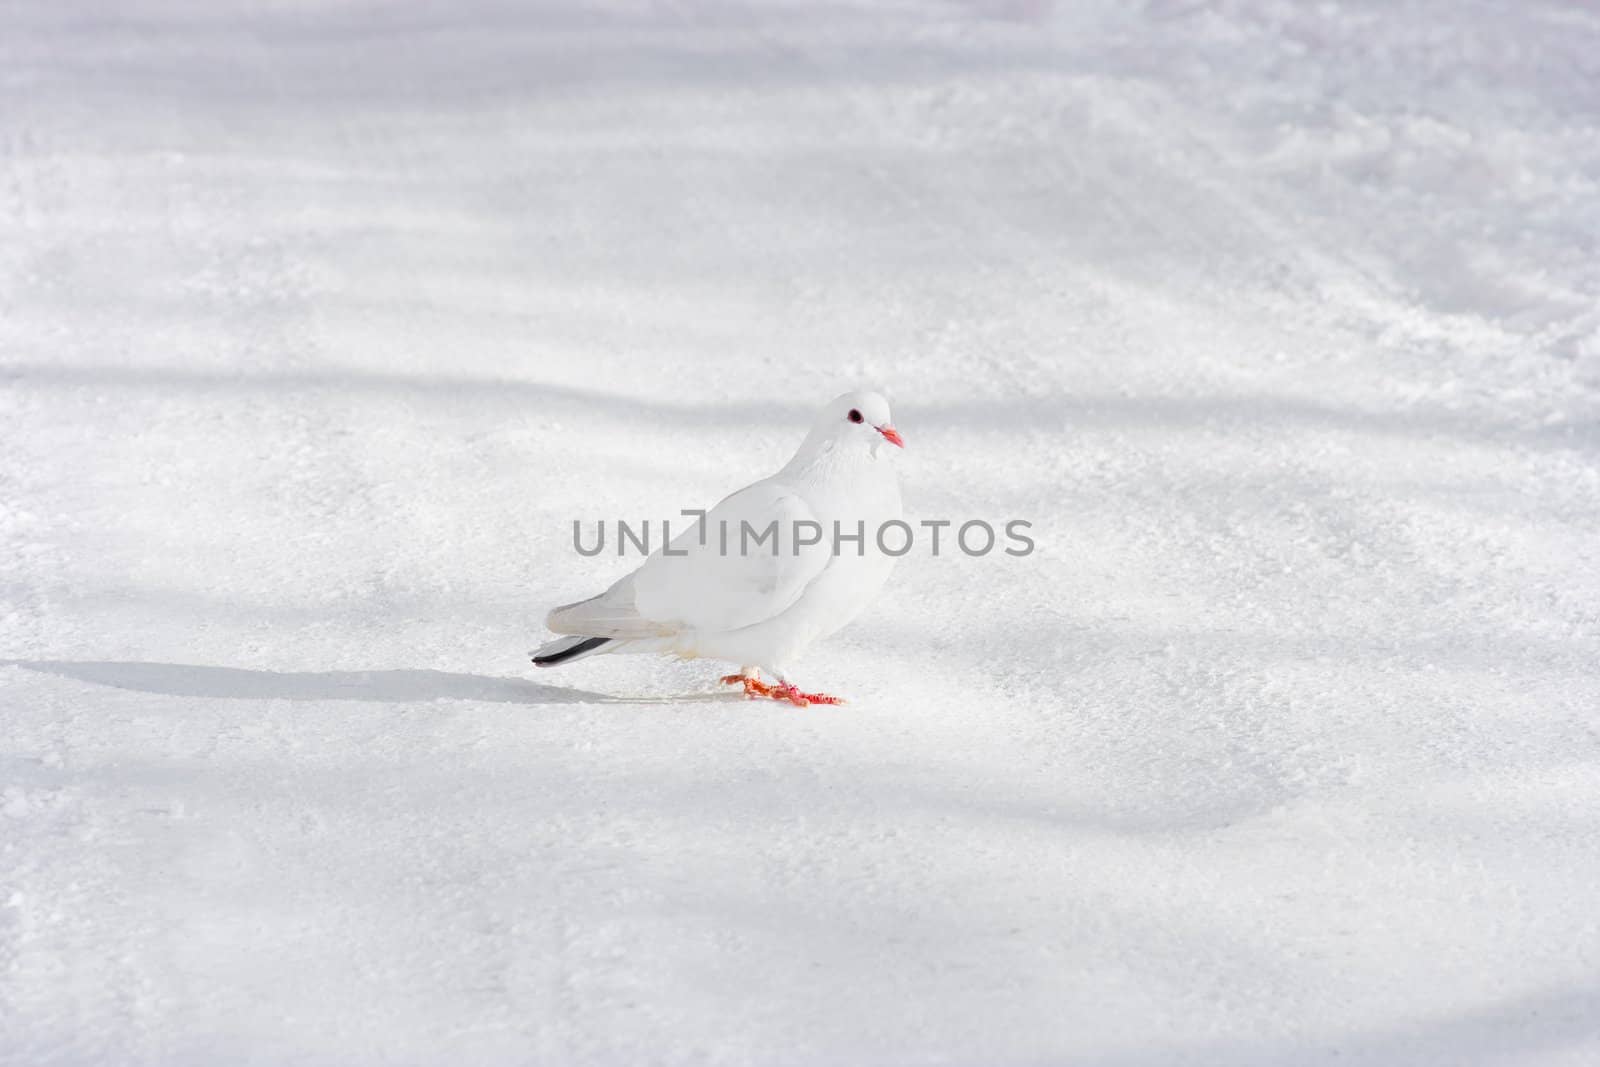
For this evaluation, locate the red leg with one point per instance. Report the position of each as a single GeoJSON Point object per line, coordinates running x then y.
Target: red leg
{"type": "Point", "coordinates": [753, 687]}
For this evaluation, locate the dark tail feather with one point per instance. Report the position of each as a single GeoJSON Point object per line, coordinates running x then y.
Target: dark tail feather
{"type": "Point", "coordinates": [566, 648]}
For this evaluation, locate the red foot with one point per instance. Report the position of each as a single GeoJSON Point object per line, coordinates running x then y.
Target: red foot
{"type": "Point", "coordinates": [754, 687]}
{"type": "Point", "coordinates": [800, 699]}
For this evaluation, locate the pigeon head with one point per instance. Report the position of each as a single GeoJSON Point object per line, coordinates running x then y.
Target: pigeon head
{"type": "Point", "coordinates": [858, 417]}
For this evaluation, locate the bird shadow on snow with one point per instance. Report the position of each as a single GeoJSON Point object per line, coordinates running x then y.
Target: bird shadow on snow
{"type": "Point", "coordinates": [387, 687]}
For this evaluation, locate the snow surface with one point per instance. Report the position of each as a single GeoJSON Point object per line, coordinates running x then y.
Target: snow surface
{"type": "Point", "coordinates": [320, 322]}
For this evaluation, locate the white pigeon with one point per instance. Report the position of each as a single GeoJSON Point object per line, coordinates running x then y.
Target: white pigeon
{"type": "Point", "coordinates": [726, 589]}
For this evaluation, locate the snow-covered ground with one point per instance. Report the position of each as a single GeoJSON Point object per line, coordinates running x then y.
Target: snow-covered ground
{"type": "Point", "coordinates": [320, 322]}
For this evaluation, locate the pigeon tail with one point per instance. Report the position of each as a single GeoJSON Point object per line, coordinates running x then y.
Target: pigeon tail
{"type": "Point", "coordinates": [566, 649]}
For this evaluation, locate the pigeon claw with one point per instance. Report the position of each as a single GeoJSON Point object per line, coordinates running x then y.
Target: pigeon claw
{"type": "Point", "coordinates": [753, 687]}
{"type": "Point", "coordinates": [801, 699]}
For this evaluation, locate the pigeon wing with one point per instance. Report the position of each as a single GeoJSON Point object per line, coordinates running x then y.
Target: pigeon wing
{"type": "Point", "coordinates": [742, 564]}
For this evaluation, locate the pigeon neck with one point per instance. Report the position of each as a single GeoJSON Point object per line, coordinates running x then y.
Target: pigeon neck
{"type": "Point", "coordinates": [820, 455]}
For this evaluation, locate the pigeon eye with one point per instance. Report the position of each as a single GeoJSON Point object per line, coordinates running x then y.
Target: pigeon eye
{"type": "Point", "coordinates": [854, 416]}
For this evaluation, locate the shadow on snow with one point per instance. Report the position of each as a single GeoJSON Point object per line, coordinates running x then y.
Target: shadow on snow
{"type": "Point", "coordinates": [388, 686]}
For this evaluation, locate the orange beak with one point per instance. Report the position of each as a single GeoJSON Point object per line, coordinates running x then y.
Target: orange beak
{"type": "Point", "coordinates": [892, 435]}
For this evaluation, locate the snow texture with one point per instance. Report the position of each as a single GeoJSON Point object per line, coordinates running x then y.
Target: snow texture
{"type": "Point", "coordinates": [320, 322]}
